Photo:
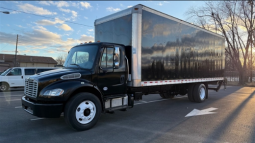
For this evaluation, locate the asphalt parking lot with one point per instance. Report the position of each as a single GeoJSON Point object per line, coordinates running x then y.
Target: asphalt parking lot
{"type": "Point", "coordinates": [227, 116]}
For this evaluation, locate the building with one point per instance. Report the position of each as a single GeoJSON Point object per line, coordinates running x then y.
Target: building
{"type": "Point", "coordinates": [8, 60]}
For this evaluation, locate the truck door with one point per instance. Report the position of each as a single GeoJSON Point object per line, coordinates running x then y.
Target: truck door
{"type": "Point", "coordinates": [15, 77]}
{"type": "Point", "coordinates": [111, 78]}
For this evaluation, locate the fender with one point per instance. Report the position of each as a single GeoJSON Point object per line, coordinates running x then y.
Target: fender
{"type": "Point", "coordinates": [71, 87]}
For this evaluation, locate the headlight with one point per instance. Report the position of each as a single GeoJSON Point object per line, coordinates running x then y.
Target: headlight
{"type": "Point", "coordinates": [54, 92]}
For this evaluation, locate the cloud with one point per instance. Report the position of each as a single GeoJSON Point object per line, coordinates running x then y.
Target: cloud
{"type": "Point", "coordinates": [85, 38]}
{"type": "Point", "coordinates": [42, 39]}
{"type": "Point", "coordinates": [48, 22]}
{"type": "Point", "coordinates": [21, 26]}
{"type": "Point", "coordinates": [65, 27]}
{"type": "Point", "coordinates": [91, 30]}
{"type": "Point", "coordinates": [37, 37]}
{"type": "Point", "coordinates": [86, 17]}
{"type": "Point", "coordinates": [75, 4]}
{"type": "Point", "coordinates": [44, 2]}
{"type": "Point", "coordinates": [28, 52]}
{"type": "Point", "coordinates": [52, 51]}
{"type": "Point", "coordinates": [74, 14]}
{"type": "Point", "coordinates": [65, 10]}
{"type": "Point", "coordinates": [85, 4]}
{"type": "Point", "coordinates": [129, 6]}
{"type": "Point", "coordinates": [58, 4]}
{"type": "Point", "coordinates": [14, 12]}
{"type": "Point", "coordinates": [34, 9]}
{"type": "Point", "coordinates": [41, 28]}
{"type": "Point", "coordinates": [61, 4]}
{"type": "Point", "coordinates": [111, 9]}
{"type": "Point", "coordinates": [160, 4]}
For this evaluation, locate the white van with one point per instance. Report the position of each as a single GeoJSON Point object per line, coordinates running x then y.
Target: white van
{"type": "Point", "coordinates": [15, 77]}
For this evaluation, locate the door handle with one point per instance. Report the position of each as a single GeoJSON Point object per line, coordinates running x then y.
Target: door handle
{"type": "Point", "coordinates": [122, 79]}
{"type": "Point", "coordinates": [22, 77]}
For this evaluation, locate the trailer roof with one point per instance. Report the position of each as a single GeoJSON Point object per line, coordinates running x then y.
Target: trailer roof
{"type": "Point", "coordinates": [97, 43]}
{"type": "Point", "coordinates": [130, 10]}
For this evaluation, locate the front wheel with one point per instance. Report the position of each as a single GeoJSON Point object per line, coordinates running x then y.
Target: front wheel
{"type": "Point", "coordinates": [4, 87]}
{"type": "Point", "coordinates": [83, 111]}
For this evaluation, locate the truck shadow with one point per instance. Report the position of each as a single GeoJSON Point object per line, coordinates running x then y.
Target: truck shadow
{"type": "Point", "coordinates": [145, 118]}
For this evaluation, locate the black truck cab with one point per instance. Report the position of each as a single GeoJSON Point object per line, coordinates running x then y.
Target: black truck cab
{"type": "Point", "coordinates": [96, 69]}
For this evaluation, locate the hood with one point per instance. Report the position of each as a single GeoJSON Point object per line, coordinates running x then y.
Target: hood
{"type": "Point", "coordinates": [3, 78]}
{"type": "Point", "coordinates": [57, 73]}
{"type": "Point", "coordinates": [46, 78]}
{"type": "Point", "coordinates": [49, 77]}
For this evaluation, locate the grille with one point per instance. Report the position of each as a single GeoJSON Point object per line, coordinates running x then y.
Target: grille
{"type": "Point", "coordinates": [31, 88]}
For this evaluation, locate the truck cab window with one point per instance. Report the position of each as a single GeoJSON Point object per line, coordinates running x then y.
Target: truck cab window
{"type": "Point", "coordinates": [83, 56]}
{"type": "Point", "coordinates": [29, 71]}
{"type": "Point", "coordinates": [107, 58]}
{"type": "Point", "coordinates": [15, 72]}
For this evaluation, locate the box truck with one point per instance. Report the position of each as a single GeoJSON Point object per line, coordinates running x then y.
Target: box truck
{"type": "Point", "coordinates": [136, 52]}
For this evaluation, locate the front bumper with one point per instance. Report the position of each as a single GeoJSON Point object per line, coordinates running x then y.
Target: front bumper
{"type": "Point", "coordinates": [42, 110]}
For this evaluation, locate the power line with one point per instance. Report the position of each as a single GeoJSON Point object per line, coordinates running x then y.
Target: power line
{"type": "Point", "coordinates": [46, 17]}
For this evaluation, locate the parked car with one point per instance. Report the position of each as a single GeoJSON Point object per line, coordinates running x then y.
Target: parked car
{"type": "Point", "coordinates": [15, 77]}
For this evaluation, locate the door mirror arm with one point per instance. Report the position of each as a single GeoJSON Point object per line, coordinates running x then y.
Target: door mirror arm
{"type": "Point", "coordinates": [104, 70]}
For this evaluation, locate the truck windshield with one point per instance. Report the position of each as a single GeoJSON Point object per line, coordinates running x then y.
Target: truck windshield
{"type": "Point", "coordinates": [83, 56]}
{"type": "Point", "coordinates": [5, 72]}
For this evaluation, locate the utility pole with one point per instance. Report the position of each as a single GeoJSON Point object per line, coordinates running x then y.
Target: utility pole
{"type": "Point", "coordinates": [16, 50]}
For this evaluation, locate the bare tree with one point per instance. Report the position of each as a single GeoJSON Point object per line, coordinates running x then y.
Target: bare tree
{"type": "Point", "coordinates": [235, 21]}
{"type": "Point", "coordinates": [61, 59]}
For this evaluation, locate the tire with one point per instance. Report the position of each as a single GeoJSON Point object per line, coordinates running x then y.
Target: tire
{"type": "Point", "coordinates": [199, 93]}
{"type": "Point", "coordinates": [82, 111]}
{"type": "Point", "coordinates": [4, 87]}
{"type": "Point", "coordinates": [190, 92]}
{"type": "Point", "coordinates": [166, 96]}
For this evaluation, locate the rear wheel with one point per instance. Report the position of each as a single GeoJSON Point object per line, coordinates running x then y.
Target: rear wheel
{"type": "Point", "coordinates": [190, 92]}
{"type": "Point", "coordinates": [199, 93]}
{"type": "Point", "coordinates": [4, 87]}
{"type": "Point", "coordinates": [166, 95]}
{"type": "Point", "coordinates": [83, 111]}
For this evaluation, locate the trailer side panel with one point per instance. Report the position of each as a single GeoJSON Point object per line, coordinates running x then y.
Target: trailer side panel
{"type": "Point", "coordinates": [172, 50]}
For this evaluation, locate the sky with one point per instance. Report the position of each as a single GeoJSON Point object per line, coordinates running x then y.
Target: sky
{"type": "Point", "coordinates": [64, 24]}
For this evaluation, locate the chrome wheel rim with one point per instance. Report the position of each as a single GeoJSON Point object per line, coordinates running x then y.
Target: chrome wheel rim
{"type": "Point", "coordinates": [202, 93]}
{"type": "Point", "coordinates": [85, 112]}
{"type": "Point", "coordinates": [3, 87]}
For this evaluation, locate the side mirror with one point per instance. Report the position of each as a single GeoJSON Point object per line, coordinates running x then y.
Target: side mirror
{"type": "Point", "coordinates": [116, 57]}
{"type": "Point", "coordinates": [10, 73]}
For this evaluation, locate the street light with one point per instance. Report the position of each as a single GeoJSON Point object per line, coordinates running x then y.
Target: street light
{"type": "Point", "coordinates": [5, 12]}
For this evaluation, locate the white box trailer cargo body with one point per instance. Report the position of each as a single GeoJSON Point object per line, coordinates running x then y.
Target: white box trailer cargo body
{"type": "Point", "coordinates": [165, 50]}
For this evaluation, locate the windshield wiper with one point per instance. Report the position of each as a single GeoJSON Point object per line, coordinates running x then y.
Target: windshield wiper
{"type": "Point", "coordinates": [77, 65]}
{"type": "Point", "coordinates": [82, 68]}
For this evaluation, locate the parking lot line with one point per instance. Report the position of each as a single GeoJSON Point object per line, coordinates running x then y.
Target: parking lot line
{"type": "Point", "coordinates": [18, 107]}
{"type": "Point", "coordinates": [10, 100]}
{"type": "Point", "coordinates": [37, 119]}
